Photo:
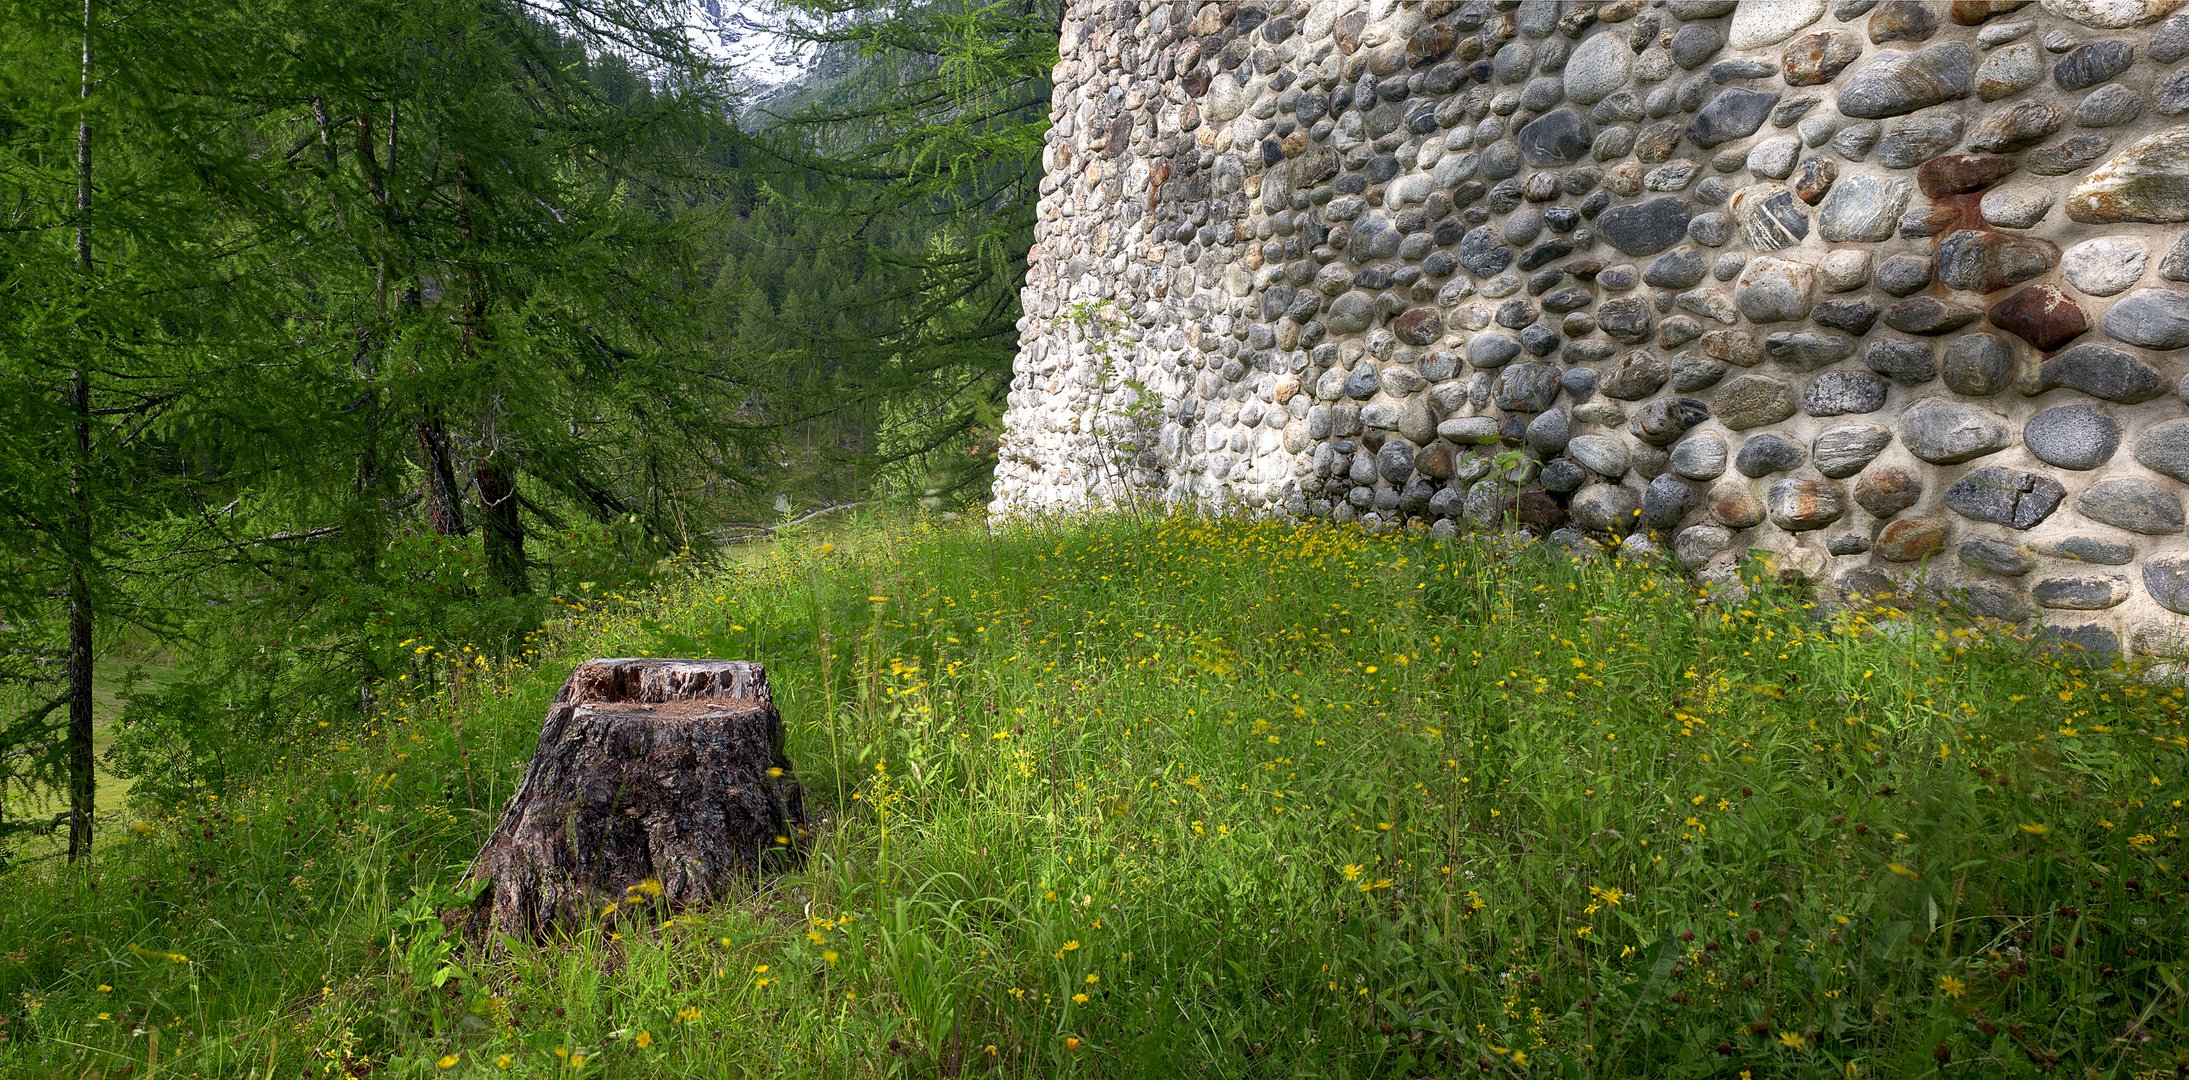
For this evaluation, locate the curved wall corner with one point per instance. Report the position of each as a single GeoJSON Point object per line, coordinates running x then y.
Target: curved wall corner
{"type": "Point", "coordinates": [1897, 291]}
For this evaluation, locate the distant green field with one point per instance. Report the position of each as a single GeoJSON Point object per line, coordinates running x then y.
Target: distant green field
{"type": "Point", "coordinates": [1210, 798]}
{"type": "Point", "coordinates": [110, 675]}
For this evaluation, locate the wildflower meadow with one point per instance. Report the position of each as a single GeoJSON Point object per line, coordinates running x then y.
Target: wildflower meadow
{"type": "Point", "coordinates": [1115, 797]}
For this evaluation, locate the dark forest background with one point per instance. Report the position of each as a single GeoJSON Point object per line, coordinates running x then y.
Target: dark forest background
{"type": "Point", "coordinates": [346, 342]}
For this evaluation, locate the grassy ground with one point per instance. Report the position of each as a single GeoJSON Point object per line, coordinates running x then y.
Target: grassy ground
{"type": "Point", "coordinates": [1208, 799]}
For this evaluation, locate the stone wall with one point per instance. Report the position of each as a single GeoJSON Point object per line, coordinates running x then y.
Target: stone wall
{"type": "Point", "coordinates": [1887, 289]}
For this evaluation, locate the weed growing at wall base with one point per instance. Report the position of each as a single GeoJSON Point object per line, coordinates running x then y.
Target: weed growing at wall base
{"type": "Point", "coordinates": [1206, 797]}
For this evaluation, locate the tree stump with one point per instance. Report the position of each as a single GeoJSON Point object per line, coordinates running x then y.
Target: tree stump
{"type": "Point", "coordinates": [647, 771]}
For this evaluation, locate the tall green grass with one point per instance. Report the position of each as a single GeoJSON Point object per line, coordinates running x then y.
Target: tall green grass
{"type": "Point", "coordinates": [1208, 798]}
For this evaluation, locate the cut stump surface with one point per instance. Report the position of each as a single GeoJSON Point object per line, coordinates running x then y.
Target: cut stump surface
{"type": "Point", "coordinates": [663, 771]}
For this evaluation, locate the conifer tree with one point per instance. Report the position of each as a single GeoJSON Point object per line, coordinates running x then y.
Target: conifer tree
{"type": "Point", "coordinates": [337, 268]}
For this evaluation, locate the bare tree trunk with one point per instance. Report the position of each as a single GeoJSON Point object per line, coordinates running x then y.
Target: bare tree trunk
{"type": "Point", "coordinates": [444, 501]}
{"type": "Point", "coordinates": [443, 496]}
{"type": "Point", "coordinates": [504, 527]}
{"type": "Point", "coordinates": [500, 511]}
{"type": "Point", "coordinates": [366, 363]}
{"type": "Point", "coordinates": [82, 785]}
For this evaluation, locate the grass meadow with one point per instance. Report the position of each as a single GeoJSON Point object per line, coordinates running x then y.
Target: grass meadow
{"type": "Point", "coordinates": [1202, 798]}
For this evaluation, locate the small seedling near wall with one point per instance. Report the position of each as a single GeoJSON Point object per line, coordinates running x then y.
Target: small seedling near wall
{"type": "Point", "coordinates": [1126, 414]}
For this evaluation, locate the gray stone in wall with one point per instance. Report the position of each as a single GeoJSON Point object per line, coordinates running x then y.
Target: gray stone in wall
{"type": "Point", "coordinates": [2132, 503]}
{"type": "Point", "coordinates": [1637, 375]}
{"type": "Point", "coordinates": [2016, 207]}
{"type": "Point", "coordinates": [1803, 350]}
{"type": "Point", "coordinates": [1929, 315]}
{"type": "Point", "coordinates": [2104, 265]}
{"type": "Point", "coordinates": [1603, 455]}
{"type": "Point", "coordinates": [1734, 113]}
{"type": "Point", "coordinates": [1548, 433]}
{"type": "Point", "coordinates": [1989, 600]}
{"type": "Point", "coordinates": [2093, 63]}
{"type": "Point", "coordinates": [2095, 550]}
{"type": "Point", "coordinates": [2004, 496]}
{"type": "Point", "coordinates": [2010, 71]}
{"type": "Point", "coordinates": [1395, 461]}
{"type": "Point", "coordinates": [1492, 350]}
{"type": "Point", "coordinates": [1699, 456]}
{"type": "Point", "coordinates": [2069, 156]}
{"type": "Point", "coordinates": [1762, 455]}
{"type": "Point", "coordinates": [1913, 140]}
{"type": "Point", "coordinates": [2166, 578]}
{"type": "Point", "coordinates": [1909, 362]}
{"type": "Point", "coordinates": [1753, 401]}
{"type": "Point", "coordinates": [2170, 39]}
{"type": "Point", "coordinates": [1846, 543]}
{"type": "Point", "coordinates": [1995, 556]}
{"type": "Point", "coordinates": [1606, 508]}
{"type": "Point", "coordinates": [2103, 372]}
{"type": "Point", "coordinates": [1559, 137]}
{"type": "Point", "coordinates": [2072, 437]}
{"type": "Point", "coordinates": [1667, 501]}
{"type": "Point", "coordinates": [1892, 83]}
{"type": "Point", "coordinates": [1846, 449]}
{"type": "Point", "coordinates": [1863, 208]}
{"type": "Point", "coordinates": [2017, 127]}
{"type": "Point", "coordinates": [1840, 393]}
{"type": "Point", "coordinates": [2081, 592]}
{"type": "Point", "coordinates": [1943, 431]}
{"type": "Point", "coordinates": [2175, 266]}
{"type": "Point", "coordinates": [1599, 67]}
{"type": "Point", "coordinates": [2164, 448]}
{"type": "Point", "coordinates": [2152, 318]}
{"type": "Point", "coordinates": [1561, 475]}
{"type": "Point", "coordinates": [1692, 373]}
{"type": "Point", "coordinates": [1680, 268]}
{"type": "Point", "coordinates": [1905, 273]}
{"type": "Point", "coordinates": [1350, 314]}
{"type": "Point", "coordinates": [1645, 228]}
{"type": "Point", "coordinates": [1698, 544]}
{"type": "Point", "coordinates": [1661, 421]}
{"type": "Point", "coordinates": [1845, 270]}
{"type": "Point", "coordinates": [1775, 290]}
{"type": "Point", "coordinates": [2113, 105]}
{"type": "Point", "coordinates": [1758, 25]}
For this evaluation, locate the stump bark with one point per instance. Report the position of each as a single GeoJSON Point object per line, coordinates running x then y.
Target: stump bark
{"type": "Point", "coordinates": [668, 771]}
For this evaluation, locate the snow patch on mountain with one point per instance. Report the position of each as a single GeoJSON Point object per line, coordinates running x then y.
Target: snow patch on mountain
{"type": "Point", "coordinates": [746, 36]}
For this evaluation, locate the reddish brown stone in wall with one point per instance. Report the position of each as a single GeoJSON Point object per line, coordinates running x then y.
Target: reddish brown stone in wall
{"type": "Point", "coordinates": [1537, 511]}
{"type": "Point", "coordinates": [1974, 12]}
{"type": "Point", "coordinates": [1421, 326]}
{"type": "Point", "coordinates": [2041, 315]}
{"type": "Point", "coordinates": [1815, 178]}
{"type": "Point", "coordinates": [1887, 490]}
{"type": "Point", "coordinates": [1909, 539]}
{"type": "Point", "coordinates": [1955, 174]}
{"type": "Point", "coordinates": [1816, 59]}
